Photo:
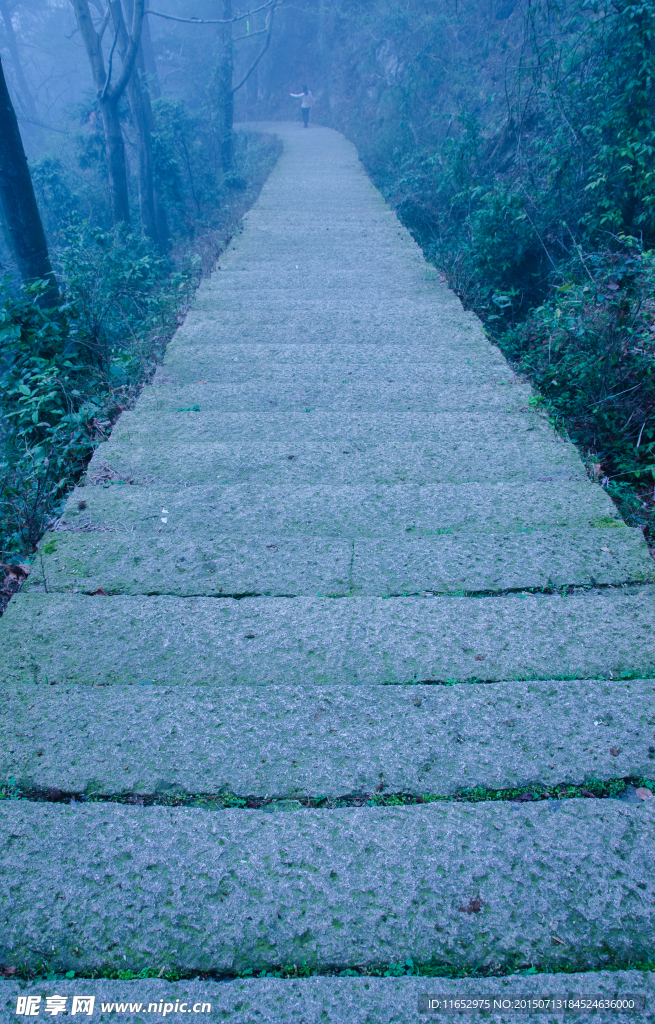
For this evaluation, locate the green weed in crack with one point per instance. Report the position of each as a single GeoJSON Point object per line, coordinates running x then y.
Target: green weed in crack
{"type": "Point", "coordinates": [600, 789]}
{"type": "Point", "coordinates": [514, 965]}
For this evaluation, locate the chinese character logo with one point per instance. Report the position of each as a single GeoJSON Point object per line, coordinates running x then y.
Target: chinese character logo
{"type": "Point", "coordinates": [28, 1006]}
{"type": "Point", "coordinates": [54, 1005]}
{"type": "Point", "coordinates": [83, 1004]}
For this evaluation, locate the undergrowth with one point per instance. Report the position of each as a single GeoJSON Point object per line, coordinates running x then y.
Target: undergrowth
{"type": "Point", "coordinates": [66, 374]}
{"type": "Point", "coordinates": [535, 198]}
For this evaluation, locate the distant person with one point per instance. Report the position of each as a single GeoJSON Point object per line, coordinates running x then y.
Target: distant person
{"type": "Point", "coordinates": [306, 104]}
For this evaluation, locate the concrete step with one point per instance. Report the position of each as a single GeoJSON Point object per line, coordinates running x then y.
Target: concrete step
{"type": "Point", "coordinates": [325, 741]}
{"type": "Point", "coordinates": [215, 354]}
{"type": "Point", "coordinates": [344, 1000]}
{"type": "Point", "coordinates": [232, 360]}
{"type": "Point", "coordinates": [425, 319]}
{"type": "Point", "coordinates": [388, 511]}
{"type": "Point", "coordinates": [446, 436]}
{"type": "Point", "coordinates": [126, 887]}
{"type": "Point", "coordinates": [295, 391]}
{"type": "Point", "coordinates": [184, 560]}
{"type": "Point", "coordinates": [141, 455]}
{"type": "Point", "coordinates": [321, 641]}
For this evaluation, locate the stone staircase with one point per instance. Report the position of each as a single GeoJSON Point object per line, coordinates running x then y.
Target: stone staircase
{"type": "Point", "coordinates": [334, 569]}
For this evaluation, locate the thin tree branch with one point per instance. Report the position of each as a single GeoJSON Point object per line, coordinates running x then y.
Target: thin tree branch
{"type": "Point", "coordinates": [109, 65]}
{"type": "Point", "coordinates": [212, 21]}
{"type": "Point", "coordinates": [103, 25]}
{"type": "Point", "coordinates": [133, 47]}
{"type": "Point", "coordinates": [269, 29]}
{"type": "Point", "coordinates": [259, 32]}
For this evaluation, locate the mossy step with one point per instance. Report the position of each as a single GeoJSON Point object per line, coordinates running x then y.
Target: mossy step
{"type": "Point", "coordinates": [351, 1000]}
{"type": "Point", "coordinates": [123, 887]}
{"type": "Point", "coordinates": [386, 511]}
{"type": "Point", "coordinates": [446, 456]}
{"type": "Point", "coordinates": [183, 560]}
{"type": "Point", "coordinates": [305, 641]}
{"type": "Point", "coordinates": [327, 741]}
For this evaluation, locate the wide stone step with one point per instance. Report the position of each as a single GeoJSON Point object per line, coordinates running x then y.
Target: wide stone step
{"type": "Point", "coordinates": [376, 511]}
{"type": "Point", "coordinates": [303, 641]}
{"type": "Point", "coordinates": [233, 361]}
{"type": "Point", "coordinates": [291, 393]}
{"type": "Point", "coordinates": [440, 434]}
{"type": "Point", "coordinates": [363, 1000]}
{"type": "Point", "coordinates": [214, 356]}
{"type": "Point", "coordinates": [143, 457]}
{"type": "Point", "coordinates": [185, 561]}
{"type": "Point", "coordinates": [126, 887]}
{"type": "Point", "coordinates": [326, 741]}
{"type": "Point", "coordinates": [346, 320]}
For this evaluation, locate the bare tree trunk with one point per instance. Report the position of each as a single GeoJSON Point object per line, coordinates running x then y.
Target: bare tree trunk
{"type": "Point", "coordinates": [252, 93]}
{"type": "Point", "coordinates": [322, 55]}
{"type": "Point", "coordinates": [146, 187]}
{"type": "Point", "coordinates": [163, 232]}
{"type": "Point", "coordinates": [225, 96]}
{"type": "Point", "coordinates": [148, 56]}
{"type": "Point", "coordinates": [19, 203]}
{"type": "Point", "coordinates": [109, 95]}
{"type": "Point", "coordinates": [115, 154]}
{"type": "Point", "coordinates": [137, 107]}
{"type": "Point", "coordinates": [24, 94]}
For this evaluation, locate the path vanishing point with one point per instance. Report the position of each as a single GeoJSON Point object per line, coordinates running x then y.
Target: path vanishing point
{"type": "Point", "coordinates": [336, 549]}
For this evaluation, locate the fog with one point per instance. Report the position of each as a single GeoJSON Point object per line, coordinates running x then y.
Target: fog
{"type": "Point", "coordinates": [327, 414]}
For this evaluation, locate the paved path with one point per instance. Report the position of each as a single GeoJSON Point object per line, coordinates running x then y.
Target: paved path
{"type": "Point", "coordinates": [335, 496]}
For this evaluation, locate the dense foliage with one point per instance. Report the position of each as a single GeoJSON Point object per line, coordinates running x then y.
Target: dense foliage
{"type": "Point", "coordinates": [517, 143]}
{"type": "Point", "coordinates": [514, 137]}
{"type": "Point", "coordinates": [67, 373]}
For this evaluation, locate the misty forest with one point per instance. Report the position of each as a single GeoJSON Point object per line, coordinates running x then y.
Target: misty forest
{"type": "Point", "coordinates": [514, 140]}
{"type": "Point", "coordinates": [327, 510]}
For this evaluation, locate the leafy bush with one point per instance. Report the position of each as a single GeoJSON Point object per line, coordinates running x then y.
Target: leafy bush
{"type": "Point", "coordinates": [535, 197]}
{"type": "Point", "coordinates": [67, 373]}
{"type": "Point", "coordinates": [590, 350]}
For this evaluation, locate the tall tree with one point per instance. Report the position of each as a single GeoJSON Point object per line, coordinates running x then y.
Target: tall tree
{"type": "Point", "coordinates": [136, 99]}
{"type": "Point", "coordinates": [223, 84]}
{"type": "Point", "coordinates": [224, 75]}
{"type": "Point", "coordinates": [19, 203]}
{"type": "Point", "coordinates": [148, 55]}
{"type": "Point", "coordinates": [109, 95]}
{"type": "Point", "coordinates": [24, 92]}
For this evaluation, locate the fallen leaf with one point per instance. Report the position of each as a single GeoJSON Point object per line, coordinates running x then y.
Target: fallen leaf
{"type": "Point", "coordinates": [615, 751]}
{"type": "Point", "coordinates": [474, 906]}
{"type": "Point", "coordinates": [644, 794]}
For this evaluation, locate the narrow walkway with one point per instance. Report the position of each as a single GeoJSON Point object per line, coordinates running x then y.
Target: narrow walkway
{"type": "Point", "coordinates": [335, 482]}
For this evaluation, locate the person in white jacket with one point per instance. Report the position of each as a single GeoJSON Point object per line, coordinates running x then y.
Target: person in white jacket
{"type": "Point", "coordinates": [306, 104]}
